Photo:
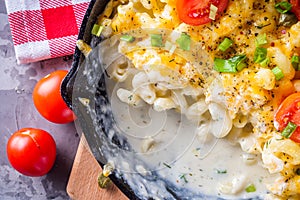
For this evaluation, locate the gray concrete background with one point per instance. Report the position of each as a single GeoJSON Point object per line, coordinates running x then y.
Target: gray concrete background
{"type": "Point", "coordinates": [17, 111]}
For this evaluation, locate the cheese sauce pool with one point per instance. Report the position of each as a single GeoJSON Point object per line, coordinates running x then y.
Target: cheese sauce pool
{"type": "Point", "coordinates": [178, 153]}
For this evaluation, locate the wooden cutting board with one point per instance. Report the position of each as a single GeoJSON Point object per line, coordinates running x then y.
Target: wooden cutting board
{"type": "Point", "coordinates": [82, 182]}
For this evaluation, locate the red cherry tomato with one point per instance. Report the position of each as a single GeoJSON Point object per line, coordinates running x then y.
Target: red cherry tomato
{"type": "Point", "coordinates": [31, 151]}
{"type": "Point", "coordinates": [289, 111]}
{"type": "Point", "coordinates": [48, 101]}
{"type": "Point", "coordinates": [296, 8]}
{"type": "Point", "coordinates": [196, 12]}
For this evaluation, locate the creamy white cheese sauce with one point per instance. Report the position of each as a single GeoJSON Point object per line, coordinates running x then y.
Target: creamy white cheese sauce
{"type": "Point", "coordinates": [183, 154]}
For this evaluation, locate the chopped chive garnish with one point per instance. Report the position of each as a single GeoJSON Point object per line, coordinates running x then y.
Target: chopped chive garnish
{"type": "Point", "coordinates": [213, 12]}
{"type": "Point", "coordinates": [260, 54]}
{"type": "Point", "coordinates": [238, 61]}
{"type": "Point", "coordinates": [265, 62]}
{"type": "Point", "coordinates": [127, 38]}
{"type": "Point", "coordinates": [278, 73]}
{"type": "Point", "coordinates": [222, 65]}
{"type": "Point", "coordinates": [97, 30]}
{"type": "Point", "coordinates": [225, 44]}
{"type": "Point", "coordinates": [156, 40]}
{"type": "Point", "coordinates": [168, 166]}
{"type": "Point", "coordinates": [183, 177]}
{"type": "Point", "coordinates": [283, 7]}
{"type": "Point", "coordinates": [241, 66]}
{"type": "Point", "coordinates": [289, 130]}
{"type": "Point", "coordinates": [261, 39]}
{"type": "Point", "coordinates": [184, 42]}
{"type": "Point", "coordinates": [295, 62]}
{"type": "Point", "coordinates": [250, 188]}
{"type": "Point", "coordinates": [221, 171]}
{"type": "Point", "coordinates": [231, 65]}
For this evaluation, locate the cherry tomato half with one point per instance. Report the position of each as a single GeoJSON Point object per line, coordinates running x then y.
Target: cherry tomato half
{"type": "Point", "coordinates": [48, 101]}
{"type": "Point", "coordinates": [196, 12]}
{"type": "Point", "coordinates": [289, 111]}
{"type": "Point", "coordinates": [296, 7]}
{"type": "Point", "coordinates": [31, 151]}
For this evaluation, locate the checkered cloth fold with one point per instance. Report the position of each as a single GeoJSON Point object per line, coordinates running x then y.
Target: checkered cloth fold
{"type": "Point", "coordinates": [43, 29]}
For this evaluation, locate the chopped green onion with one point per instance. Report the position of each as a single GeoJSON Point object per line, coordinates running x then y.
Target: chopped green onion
{"type": "Point", "coordinates": [225, 44]}
{"type": "Point", "coordinates": [241, 66]}
{"type": "Point", "coordinates": [183, 177]}
{"type": "Point", "coordinates": [221, 171]}
{"type": "Point", "coordinates": [127, 38]}
{"type": "Point", "coordinates": [156, 40]}
{"type": "Point", "coordinates": [213, 12]}
{"type": "Point", "coordinates": [278, 73]}
{"type": "Point", "coordinates": [250, 188]}
{"type": "Point", "coordinates": [295, 62]}
{"type": "Point", "coordinates": [222, 65]}
{"type": "Point", "coordinates": [239, 61]}
{"type": "Point", "coordinates": [231, 65]}
{"type": "Point", "coordinates": [260, 54]}
{"type": "Point", "coordinates": [261, 39]}
{"type": "Point", "coordinates": [97, 30]}
{"type": "Point", "coordinates": [167, 165]}
{"type": "Point", "coordinates": [184, 41]}
{"type": "Point", "coordinates": [283, 7]}
{"type": "Point", "coordinates": [265, 62]}
{"type": "Point", "coordinates": [289, 130]}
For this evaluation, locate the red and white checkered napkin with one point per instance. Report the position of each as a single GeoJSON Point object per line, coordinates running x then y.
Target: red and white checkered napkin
{"type": "Point", "coordinates": [43, 29]}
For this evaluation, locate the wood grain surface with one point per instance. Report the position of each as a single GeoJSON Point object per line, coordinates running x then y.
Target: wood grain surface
{"type": "Point", "coordinates": [82, 184]}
